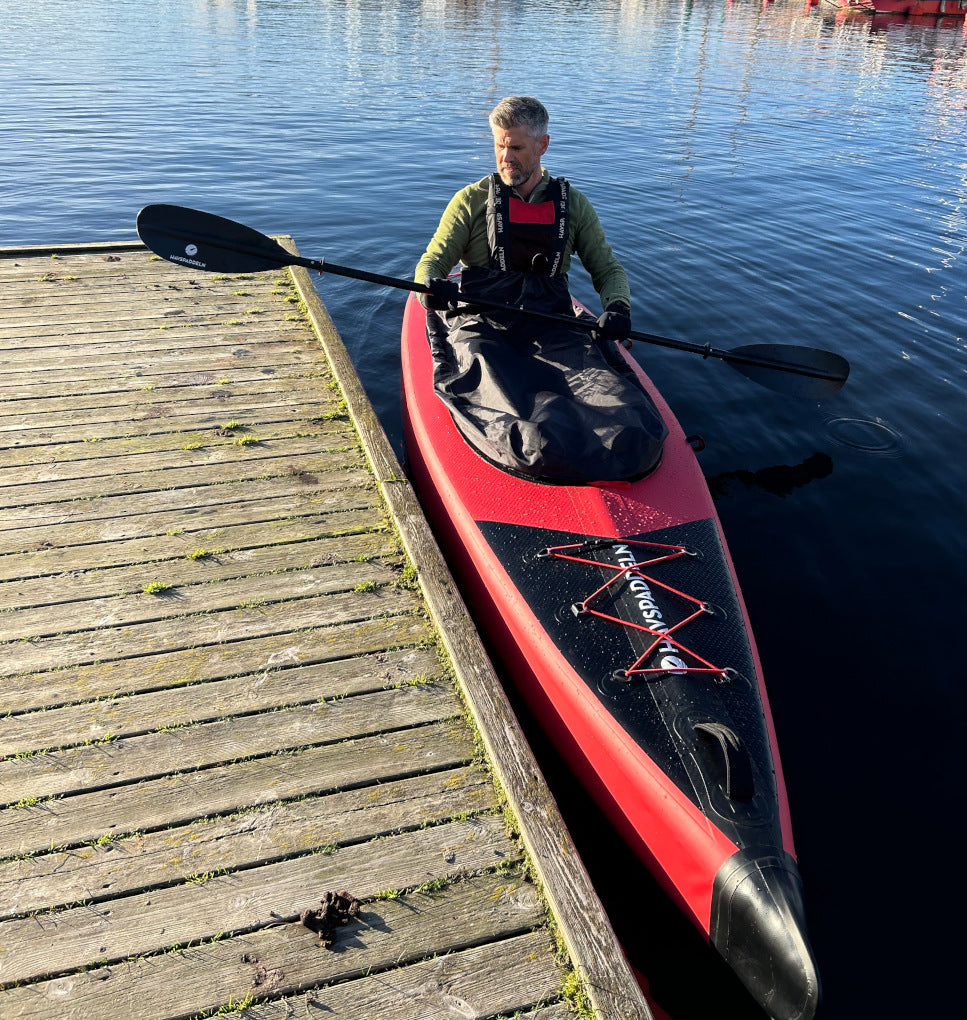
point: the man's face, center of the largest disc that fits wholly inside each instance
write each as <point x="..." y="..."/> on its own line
<point x="519" y="155"/>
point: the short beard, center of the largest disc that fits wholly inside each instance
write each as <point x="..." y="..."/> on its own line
<point x="513" y="178"/>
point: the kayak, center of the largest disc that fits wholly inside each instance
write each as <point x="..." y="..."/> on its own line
<point x="614" y="610"/>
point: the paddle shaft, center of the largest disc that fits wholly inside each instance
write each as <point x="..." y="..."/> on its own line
<point x="221" y="245"/>
<point x="706" y="350"/>
<point x="322" y="266"/>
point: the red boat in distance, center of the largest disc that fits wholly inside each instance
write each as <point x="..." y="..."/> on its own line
<point x="916" y="8"/>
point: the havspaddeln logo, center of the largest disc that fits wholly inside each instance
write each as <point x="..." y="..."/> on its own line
<point x="188" y="259"/>
<point x="650" y="613"/>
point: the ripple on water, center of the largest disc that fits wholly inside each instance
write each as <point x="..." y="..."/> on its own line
<point x="868" y="435"/>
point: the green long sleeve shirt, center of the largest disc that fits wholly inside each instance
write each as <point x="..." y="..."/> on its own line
<point x="462" y="237"/>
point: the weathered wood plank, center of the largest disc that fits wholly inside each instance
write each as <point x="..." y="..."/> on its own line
<point x="298" y="546"/>
<point x="387" y="936"/>
<point x="113" y="259"/>
<point x="49" y="688"/>
<point x="94" y="309"/>
<point x="99" y="315"/>
<point x="133" y="272"/>
<point x="228" y="326"/>
<point x="175" y="332"/>
<point x="250" y="463"/>
<point x="164" y="451"/>
<point x="178" y="355"/>
<point x="99" y="353"/>
<point x="241" y="901"/>
<point x="113" y="763"/>
<point x="136" y="382"/>
<point x="130" y="438"/>
<point x="115" y="867"/>
<point x="40" y="330"/>
<point x="83" y="261"/>
<point x="37" y="558"/>
<point x="66" y="294"/>
<point x="129" y="715"/>
<point x="188" y="591"/>
<point x="41" y="529"/>
<point x="54" y="410"/>
<point x="208" y="629"/>
<point x="184" y="798"/>
<point x="226" y="518"/>
<point x="184" y="587"/>
<point x="90" y="458"/>
<point x="68" y="303"/>
<point x="67" y="425"/>
<point x="502" y="978"/>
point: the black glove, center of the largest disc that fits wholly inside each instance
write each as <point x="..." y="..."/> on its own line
<point x="443" y="296"/>
<point x="614" y="323"/>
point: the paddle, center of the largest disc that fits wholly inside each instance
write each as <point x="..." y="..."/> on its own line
<point x="202" y="240"/>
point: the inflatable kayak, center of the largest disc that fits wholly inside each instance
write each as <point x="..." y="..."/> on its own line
<point x="614" y="610"/>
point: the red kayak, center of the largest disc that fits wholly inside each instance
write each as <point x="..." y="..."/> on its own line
<point x="614" y="610"/>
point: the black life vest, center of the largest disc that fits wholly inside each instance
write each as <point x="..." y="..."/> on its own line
<point x="527" y="237"/>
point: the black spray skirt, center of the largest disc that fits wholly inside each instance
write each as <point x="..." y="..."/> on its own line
<point x="540" y="399"/>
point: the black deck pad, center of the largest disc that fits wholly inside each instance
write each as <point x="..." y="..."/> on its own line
<point x="666" y="712"/>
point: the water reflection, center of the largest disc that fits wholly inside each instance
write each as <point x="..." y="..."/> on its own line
<point x="779" y="480"/>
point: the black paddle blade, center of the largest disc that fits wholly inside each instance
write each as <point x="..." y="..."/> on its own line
<point x="202" y="240"/>
<point x="787" y="368"/>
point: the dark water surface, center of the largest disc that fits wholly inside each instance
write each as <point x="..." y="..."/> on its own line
<point x="767" y="173"/>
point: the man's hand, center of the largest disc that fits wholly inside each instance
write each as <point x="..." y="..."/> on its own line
<point x="443" y="296"/>
<point x="614" y="323"/>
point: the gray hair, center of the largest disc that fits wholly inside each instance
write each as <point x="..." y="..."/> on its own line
<point x="520" y="111"/>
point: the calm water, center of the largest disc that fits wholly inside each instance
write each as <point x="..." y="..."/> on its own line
<point x="767" y="173"/>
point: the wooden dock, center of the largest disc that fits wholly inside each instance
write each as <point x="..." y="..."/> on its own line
<point x="237" y="680"/>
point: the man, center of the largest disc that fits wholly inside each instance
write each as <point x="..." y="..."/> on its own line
<point x="541" y="397"/>
<point x="465" y="233"/>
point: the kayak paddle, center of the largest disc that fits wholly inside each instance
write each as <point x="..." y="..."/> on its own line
<point x="200" y="240"/>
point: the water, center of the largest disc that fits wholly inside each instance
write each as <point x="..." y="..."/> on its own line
<point x="767" y="173"/>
